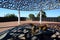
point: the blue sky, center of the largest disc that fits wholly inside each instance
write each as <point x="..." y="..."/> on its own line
<point x="49" y="13"/>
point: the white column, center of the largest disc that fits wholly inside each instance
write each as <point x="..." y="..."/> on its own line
<point x="40" y="17"/>
<point x="18" y="17"/>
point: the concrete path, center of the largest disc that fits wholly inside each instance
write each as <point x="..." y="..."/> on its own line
<point x="7" y="25"/>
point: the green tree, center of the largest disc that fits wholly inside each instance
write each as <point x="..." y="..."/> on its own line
<point x="58" y="16"/>
<point x="43" y="15"/>
<point x="31" y="16"/>
<point x="10" y="16"/>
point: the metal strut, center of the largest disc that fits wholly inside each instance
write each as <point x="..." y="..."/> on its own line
<point x="18" y="17"/>
<point x="40" y="17"/>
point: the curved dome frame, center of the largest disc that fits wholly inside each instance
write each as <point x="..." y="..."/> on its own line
<point x="30" y="5"/>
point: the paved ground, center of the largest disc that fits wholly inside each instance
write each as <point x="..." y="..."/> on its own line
<point x="8" y="25"/>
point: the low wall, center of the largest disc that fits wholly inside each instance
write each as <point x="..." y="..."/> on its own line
<point x="52" y="19"/>
<point x="4" y="19"/>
